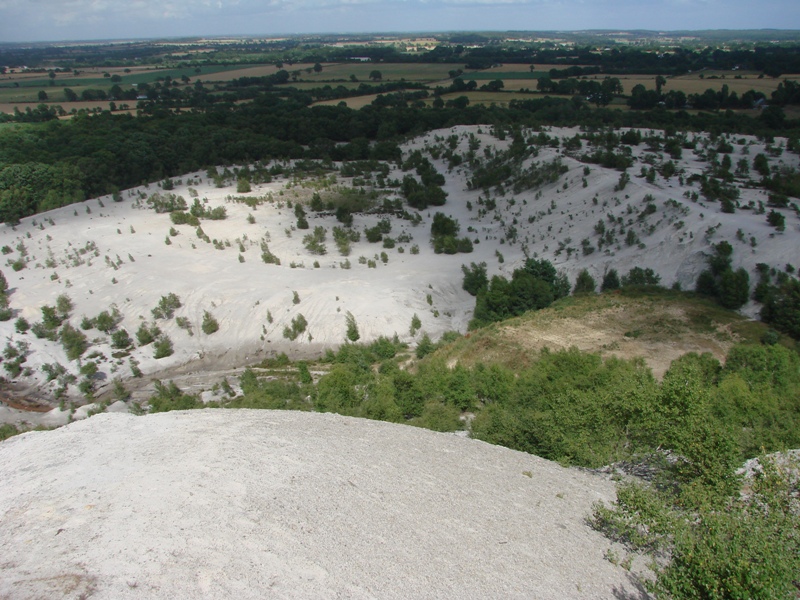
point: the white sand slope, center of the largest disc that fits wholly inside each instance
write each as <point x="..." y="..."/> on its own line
<point x="105" y="254"/>
<point x="261" y="504"/>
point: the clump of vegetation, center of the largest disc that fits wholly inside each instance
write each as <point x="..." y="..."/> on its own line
<point x="352" y="333"/>
<point x="185" y="324"/>
<point x="73" y="341"/>
<point x="298" y="326"/>
<point x="121" y="340"/>
<point x="425" y="346"/>
<point x="170" y="397"/>
<point x="375" y="234"/>
<point x="639" y="277"/>
<point x="315" y="242"/>
<point x="199" y="211"/>
<point x="776" y="220"/>
<point x="21" y="325"/>
<point x="105" y="321"/>
<point x="584" y="283"/>
<point x="611" y="281"/>
<point x="167" y="306"/>
<point x="267" y="256"/>
<point x="210" y="324"/>
<point x="166" y="203"/>
<point x="14" y="356"/>
<point x="8" y="430"/>
<point x="475" y="279"/>
<point x="444" y="232"/>
<point x="781" y="301"/>
<point x="344" y="238"/>
<point x="416" y="325"/>
<point x="162" y="347"/>
<point x="730" y="288"/>
<point x="534" y="286"/>
<point x="147" y="334"/>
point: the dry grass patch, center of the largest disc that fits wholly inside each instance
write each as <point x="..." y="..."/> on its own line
<point x="693" y="84"/>
<point x="355" y="102"/>
<point x="499" y="98"/>
<point x="657" y="328"/>
<point x="389" y="72"/>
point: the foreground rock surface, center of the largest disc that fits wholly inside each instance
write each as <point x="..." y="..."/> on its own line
<point x="262" y="504"/>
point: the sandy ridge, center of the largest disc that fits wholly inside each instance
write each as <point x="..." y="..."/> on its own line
<point x="263" y="504"/>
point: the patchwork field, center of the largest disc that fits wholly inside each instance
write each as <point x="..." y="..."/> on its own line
<point x="515" y="78"/>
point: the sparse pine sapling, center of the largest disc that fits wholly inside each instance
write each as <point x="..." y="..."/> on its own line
<point x="210" y="324"/>
<point x="352" y="328"/>
<point x="416" y="325"/>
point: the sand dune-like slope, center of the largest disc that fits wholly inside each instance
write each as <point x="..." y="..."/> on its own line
<point x="123" y="257"/>
<point x="262" y="504"/>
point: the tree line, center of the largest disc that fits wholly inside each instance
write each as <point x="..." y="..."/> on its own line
<point x="46" y="165"/>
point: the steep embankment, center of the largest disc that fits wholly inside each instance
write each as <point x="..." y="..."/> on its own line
<point x="254" y="504"/>
<point x="112" y="262"/>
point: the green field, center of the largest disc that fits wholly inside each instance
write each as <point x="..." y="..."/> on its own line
<point x="389" y="71"/>
<point x="311" y="85"/>
<point x="502" y="75"/>
<point x="148" y="76"/>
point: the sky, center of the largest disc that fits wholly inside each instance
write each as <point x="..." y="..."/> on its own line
<point x="52" y="20"/>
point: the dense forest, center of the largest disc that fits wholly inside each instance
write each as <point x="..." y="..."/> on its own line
<point x="49" y="164"/>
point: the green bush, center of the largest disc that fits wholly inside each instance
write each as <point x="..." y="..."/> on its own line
<point x="776" y="220"/>
<point x="438" y="417"/>
<point x="64" y="305"/>
<point x="8" y="430"/>
<point x="107" y="322"/>
<point x="416" y="325"/>
<point x="267" y="256"/>
<point x="584" y="284"/>
<point x="743" y="547"/>
<point x="21" y="325"/>
<point x="51" y="319"/>
<point x="303" y="373"/>
<point x="408" y="394"/>
<point x="315" y="242"/>
<point x="167" y="306"/>
<point x="730" y="288"/>
<point x="73" y="341"/>
<point x="210" y="324"/>
<point x="184" y="323"/>
<point x="170" y="397"/>
<point x="298" y="326"/>
<point x="782" y="308"/>
<point x="162" y="347"/>
<point x="425" y="346"/>
<point x="638" y="276"/>
<point x="146" y="334"/>
<point x="503" y="299"/>
<point x="352" y="333"/>
<point x="120" y="339"/>
<point x="610" y="281"/>
<point x="336" y="391"/>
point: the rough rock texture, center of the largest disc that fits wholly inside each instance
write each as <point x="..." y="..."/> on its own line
<point x="261" y="504"/>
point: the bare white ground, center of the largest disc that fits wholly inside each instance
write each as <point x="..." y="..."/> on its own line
<point x="261" y="504"/>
